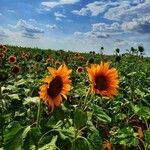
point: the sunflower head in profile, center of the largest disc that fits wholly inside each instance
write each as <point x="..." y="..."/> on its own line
<point x="12" y="59"/>
<point x="55" y="86"/>
<point x="5" y="48"/>
<point x="104" y="81"/>
<point x="2" y="55"/>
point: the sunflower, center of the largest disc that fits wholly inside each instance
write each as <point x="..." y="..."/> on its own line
<point x="57" y="63"/>
<point x="56" y="86"/>
<point x="107" y="145"/>
<point x="5" y="48"/>
<point x="77" y="54"/>
<point x="16" y="70"/>
<point x="2" y="55"/>
<point x="49" y="60"/>
<point x="104" y="81"/>
<point x="1" y="46"/>
<point x="24" y="55"/>
<point x="79" y="70"/>
<point x="12" y="59"/>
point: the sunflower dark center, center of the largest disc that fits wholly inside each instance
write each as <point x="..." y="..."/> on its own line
<point x="16" y="70"/>
<point x="12" y="59"/>
<point x="55" y="87"/>
<point x="101" y="83"/>
<point x="79" y="69"/>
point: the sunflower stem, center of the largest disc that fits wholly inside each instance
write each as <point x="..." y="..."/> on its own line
<point x="39" y="114"/>
<point x="2" y="129"/>
<point x="86" y="99"/>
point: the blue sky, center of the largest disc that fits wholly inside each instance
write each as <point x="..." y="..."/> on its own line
<point x="77" y="25"/>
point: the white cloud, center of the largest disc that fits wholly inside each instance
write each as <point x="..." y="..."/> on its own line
<point x="59" y="16"/>
<point x="94" y="8"/>
<point x="1" y="14"/>
<point x="126" y="11"/>
<point x="51" y="27"/>
<point x="106" y="27"/>
<point x="141" y="25"/>
<point x="91" y="34"/>
<point x="81" y="12"/>
<point x="27" y="29"/>
<point x="50" y="5"/>
<point x="125" y="43"/>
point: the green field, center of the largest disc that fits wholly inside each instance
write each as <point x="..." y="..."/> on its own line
<point x="82" y="121"/>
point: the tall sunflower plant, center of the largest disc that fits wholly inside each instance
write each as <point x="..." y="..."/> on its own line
<point x="77" y="119"/>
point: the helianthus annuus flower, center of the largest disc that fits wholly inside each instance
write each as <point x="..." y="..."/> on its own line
<point x="24" y="55"/>
<point x="1" y="46"/>
<point x="5" y="48"/>
<point x="107" y="145"/>
<point x="57" y="63"/>
<point x="49" y="60"/>
<point x="2" y="55"/>
<point x="79" y="70"/>
<point x="77" y="54"/>
<point x="16" y="70"/>
<point x="12" y="59"/>
<point x="56" y="85"/>
<point x="104" y="81"/>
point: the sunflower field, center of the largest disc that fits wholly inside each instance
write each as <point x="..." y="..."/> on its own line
<point x="62" y="100"/>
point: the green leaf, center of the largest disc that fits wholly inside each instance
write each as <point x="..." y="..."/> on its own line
<point x="80" y="118"/>
<point x="124" y="136"/>
<point x="66" y="133"/>
<point x="30" y="100"/>
<point x="96" y="141"/>
<point x="147" y="137"/>
<point x="100" y="114"/>
<point x="20" y="82"/>
<point x="141" y="111"/>
<point x="131" y="73"/>
<point x="81" y="143"/>
<point x="51" y="145"/>
<point x="14" y="96"/>
<point x="14" y="136"/>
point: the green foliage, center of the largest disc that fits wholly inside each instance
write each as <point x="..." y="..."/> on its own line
<point x="124" y="136"/>
<point x="80" y="118"/>
<point x="83" y="121"/>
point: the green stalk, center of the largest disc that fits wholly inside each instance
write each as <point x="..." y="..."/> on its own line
<point x="2" y="130"/>
<point x="38" y="115"/>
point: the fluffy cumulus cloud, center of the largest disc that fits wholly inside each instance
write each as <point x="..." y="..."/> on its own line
<point x="141" y="25"/>
<point x="106" y="27"/>
<point x="94" y="8"/>
<point x="128" y="10"/>
<point x="59" y="16"/>
<point x="27" y="29"/>
<point x="91" y="35"/>
<point x="49" y="5"/>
